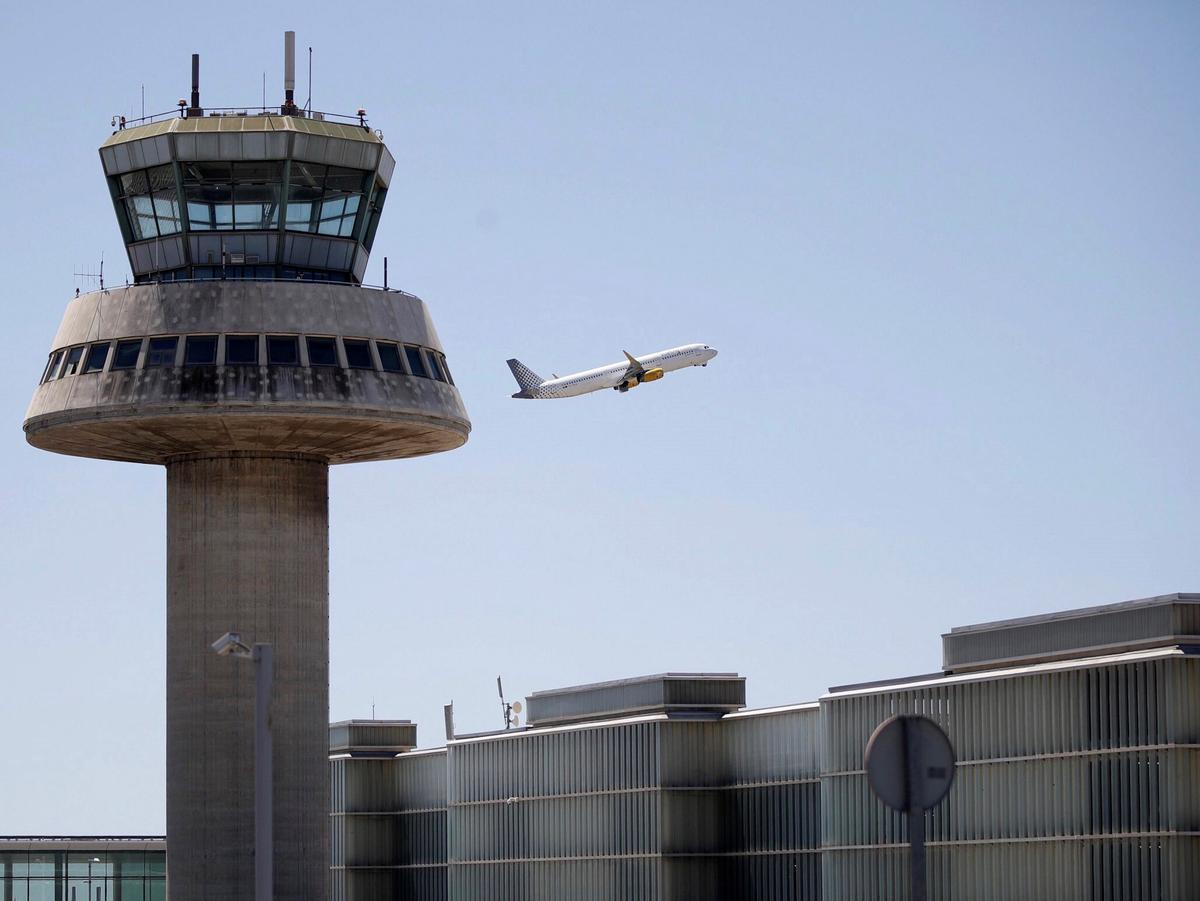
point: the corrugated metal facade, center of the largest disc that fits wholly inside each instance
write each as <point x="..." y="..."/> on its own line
<point x="1076" y="780"/>
<point x="651" y="808"/>
<point x="389" y="827"/>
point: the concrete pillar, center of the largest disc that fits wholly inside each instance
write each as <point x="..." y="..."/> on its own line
<point x="247" y="551"/>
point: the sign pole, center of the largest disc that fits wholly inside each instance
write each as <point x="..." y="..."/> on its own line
<point x="916" y="840"/>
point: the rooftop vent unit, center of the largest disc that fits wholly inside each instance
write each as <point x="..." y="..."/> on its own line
<point x="696" y="695"/>
<point x="1170" y="619"/>
<point x="372" y="738"/>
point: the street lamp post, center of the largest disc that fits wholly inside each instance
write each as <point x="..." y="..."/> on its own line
<point x="231" y="644"/>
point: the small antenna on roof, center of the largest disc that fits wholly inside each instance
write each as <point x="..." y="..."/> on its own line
<point x="448" y="716"/>
<point x="308" y="102"/>
<point x="511" y="719"/>
<point x="91" y="276"/>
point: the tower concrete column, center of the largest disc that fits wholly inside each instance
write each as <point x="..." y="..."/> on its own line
<point x="247" y="551"/>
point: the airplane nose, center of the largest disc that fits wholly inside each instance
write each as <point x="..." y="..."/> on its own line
<point x="712" y="352"/>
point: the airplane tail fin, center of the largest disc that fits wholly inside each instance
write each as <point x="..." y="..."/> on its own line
<point x="525" y="376"/>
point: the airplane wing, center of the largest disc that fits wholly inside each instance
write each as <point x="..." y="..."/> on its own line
<point x="635" y="368"/>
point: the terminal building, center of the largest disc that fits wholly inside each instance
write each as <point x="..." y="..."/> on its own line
<point x="1077" y="736"/>
<point x="83" y="868"/>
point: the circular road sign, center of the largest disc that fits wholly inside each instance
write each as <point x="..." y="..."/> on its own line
<point x="910" y="763"/>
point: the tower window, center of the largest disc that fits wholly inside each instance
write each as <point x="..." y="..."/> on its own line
<point x="446" y="368"/>
<point x="52" y="365"/>
<point x="322" y="352"/>
<point x="200" y="350"/>
<point x="435" y="367"/>
<point x="161" y="352"/>
<point x="415" y="364"/>
<point x="358" y="353"/>
<point x="97" y="354"/>
<point x="389" y="356"/>
<point x="241" y="350"/>
<point x="74" y="355"/>
<point x="283" y="350"/>
<point x="127" y="354"/>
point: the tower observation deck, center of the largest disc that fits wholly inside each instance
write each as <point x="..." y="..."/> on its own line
<point x="246" y="358"/>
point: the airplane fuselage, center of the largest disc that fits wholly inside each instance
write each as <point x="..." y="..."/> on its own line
<point x="620" y="376"/>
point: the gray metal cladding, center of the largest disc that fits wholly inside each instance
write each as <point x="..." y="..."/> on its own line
<point x="653" y="808"/>
<point x="1073" y="782"/>
<point x="389" y="827"/>
<point x="1166" y="620"/>
<point x="1077" y="780"/>
<point x="577" y="761"/>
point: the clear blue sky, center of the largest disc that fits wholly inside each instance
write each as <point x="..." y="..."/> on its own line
<point x="950" y="254"/>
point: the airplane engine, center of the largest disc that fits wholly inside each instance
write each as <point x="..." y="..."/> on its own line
<point x="652" y="375"/>
<point x="627" y="384"/>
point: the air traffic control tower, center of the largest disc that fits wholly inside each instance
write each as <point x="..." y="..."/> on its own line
<point x="246" y="358"/>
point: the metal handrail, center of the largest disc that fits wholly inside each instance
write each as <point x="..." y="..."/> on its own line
<point x="208" y="281"/>
<point x="82" y="838"/>
<point x="233" y="111"/>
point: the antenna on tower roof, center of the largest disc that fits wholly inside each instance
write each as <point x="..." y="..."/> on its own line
<point x="289" y="107"/>
<point x="194" y="109"/>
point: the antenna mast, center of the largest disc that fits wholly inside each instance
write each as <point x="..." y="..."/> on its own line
<point x="511" y="719"/>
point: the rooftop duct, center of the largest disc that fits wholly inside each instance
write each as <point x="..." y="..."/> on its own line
<point x="1170" y="619"/>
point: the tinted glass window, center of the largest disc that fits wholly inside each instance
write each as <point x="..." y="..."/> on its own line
<point x="322" y="352"/>
<point x="436" y="367"/>
<point x="200" y="350"/>
<point x="97" y="354"/>
<point x="127" y="354"/>
<point x="445" y="369"/>
<point x="324" y="199"/>
<point x="389" y="356"/>
<point x="415" y="363"/>
<point x="241" y="350"/>
<point x="161" y="352"/>
<point x="74" y="355"/>
<point x="283" y="350"/>
<point x="358" y="354"/>
<point x="52" y="366"/>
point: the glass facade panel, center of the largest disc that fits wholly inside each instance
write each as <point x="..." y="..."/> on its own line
<point x="96" y="356"/>
<point x="151" y="202"/>
<point x="445" y="368"/>
<point x="161" y="352"/>
<point x="389" y="356"/>
<point x="98" y="875"/>
<point x="200" y="350"/>
<point x="416" y="364"/>
<point x="256" y="189"/>
<point x="241" y="350"/>
<point x="324" y="199"/>
<point x="127" y="354"/>
<point x="322" y="352"/>
<point x="358" y="354"/>
<point x="283" y="350"/>
<point x="208" y="192"/>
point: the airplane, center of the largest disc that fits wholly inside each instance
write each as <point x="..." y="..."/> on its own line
<point x="618" y="376"/>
